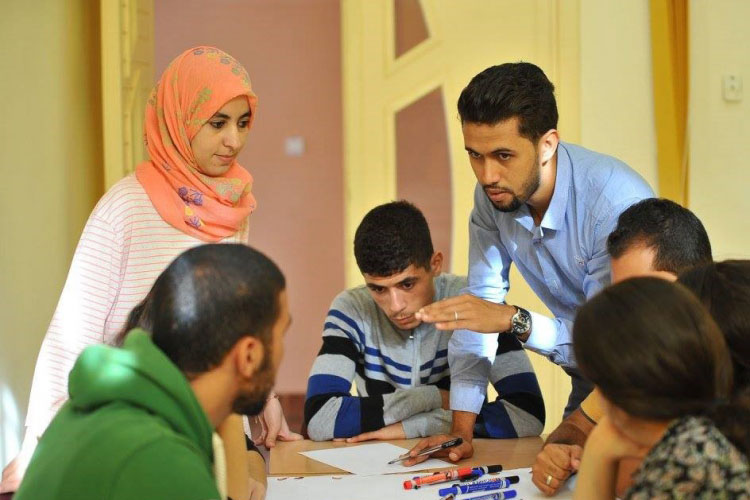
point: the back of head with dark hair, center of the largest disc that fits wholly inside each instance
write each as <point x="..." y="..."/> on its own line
<point x="390" y="238"/>
<point x="206" y="300"/>
<point x="661" y="355"/>
<point x="510" y="90"/>
<point x="676" y="235"/>
<point x="724" y="288"/>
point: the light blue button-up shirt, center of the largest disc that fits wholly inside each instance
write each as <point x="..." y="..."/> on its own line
<point x="564" y="260"/>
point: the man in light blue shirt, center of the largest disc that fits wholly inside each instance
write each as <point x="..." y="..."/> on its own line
<point x="546" y="206"/>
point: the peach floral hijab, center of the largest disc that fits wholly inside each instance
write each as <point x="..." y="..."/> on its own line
<point x="194" y="86"/>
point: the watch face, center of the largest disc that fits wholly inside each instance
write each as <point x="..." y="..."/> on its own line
<point x="521" y="322"/>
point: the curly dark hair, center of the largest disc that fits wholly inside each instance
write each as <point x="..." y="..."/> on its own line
<point x="390" y="238"/>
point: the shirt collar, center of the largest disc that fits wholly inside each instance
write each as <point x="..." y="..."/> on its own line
<point x="554" y="217"/>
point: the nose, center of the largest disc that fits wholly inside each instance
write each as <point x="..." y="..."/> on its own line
<point x="232" y="138"/>
<point x="488" y="173"/>
<point x="398" y="303"/>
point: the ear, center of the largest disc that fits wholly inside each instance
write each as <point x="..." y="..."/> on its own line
<point x="248" y="355"/>
<point x="547" y="146"/>
<point x="436" y="263"/>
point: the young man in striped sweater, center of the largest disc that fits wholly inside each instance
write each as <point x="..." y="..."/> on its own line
<point x="400" y="365"/>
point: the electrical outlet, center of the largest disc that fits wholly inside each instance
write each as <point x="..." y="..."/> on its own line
<point x="731" y="87"/>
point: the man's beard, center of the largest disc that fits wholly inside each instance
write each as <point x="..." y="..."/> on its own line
<point x="527" y="190"/>
<point x="252" y="402"/>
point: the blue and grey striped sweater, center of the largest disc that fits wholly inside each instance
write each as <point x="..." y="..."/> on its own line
<point x="398" y="375"/>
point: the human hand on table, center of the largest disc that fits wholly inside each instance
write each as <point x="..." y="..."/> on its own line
<point x="393" y="431"/>
<point x="257" y="490"/>
<point x="468" y="312"/>
<point x="271" y="425"/>
<point x="454" y="454"/>
<point x="554" y="465"/>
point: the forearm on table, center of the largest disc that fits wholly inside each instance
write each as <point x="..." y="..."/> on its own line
<point x="518" y="410"/>
<point x="575" y="429"/>
<point x="429" y="423"/>
<point x="405" y="403"/>
<point x="463" y="424"/>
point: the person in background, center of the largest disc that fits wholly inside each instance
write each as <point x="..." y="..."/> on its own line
<point x="191" y="191"/>
<point x="140" y="419"/>
<point x="400" y="364"/>
<point x="665" y="378"/>
<point x="654" y="237"/>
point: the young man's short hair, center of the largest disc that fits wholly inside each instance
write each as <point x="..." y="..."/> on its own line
<point x="511" y="90"/>
<point x="206" y="300"/>
<point x="676" y="235"/>
<point x="390" y="238"/>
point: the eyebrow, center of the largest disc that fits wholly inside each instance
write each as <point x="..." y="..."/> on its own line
<point x="493" y="152"/>
<point x="406" y="281"/>
<point x="227" y="117"/>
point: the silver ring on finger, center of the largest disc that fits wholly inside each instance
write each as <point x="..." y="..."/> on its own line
<point x="548" y="479"/>
<point x="455" y="315"/>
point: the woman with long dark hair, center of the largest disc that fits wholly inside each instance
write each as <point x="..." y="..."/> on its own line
<point x="665" y="373"/>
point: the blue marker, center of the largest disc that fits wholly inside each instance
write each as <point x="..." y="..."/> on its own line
<point x="500" y="495"/>
<point x="488" y="485"/>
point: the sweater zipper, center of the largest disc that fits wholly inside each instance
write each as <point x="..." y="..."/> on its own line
<point x="414" y="359"/>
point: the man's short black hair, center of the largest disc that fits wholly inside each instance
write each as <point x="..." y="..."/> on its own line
<point x="511" y="90"/>
<point x="676" y="235"/>
<point x="390" y="238"/>
<point x="206" y="300"/>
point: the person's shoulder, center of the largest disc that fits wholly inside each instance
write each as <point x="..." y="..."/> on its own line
<point x="351" y="298"/>
<point x="122" y="200"/>
<point x="355" y="304"/>
<point x="696" y="446"/>
<point x="89" y="450"/>
<point x="449" y="285"/>
<point x="604" y="176"/>
<point x="166" y="466"/>
<point x="693" y="440"/>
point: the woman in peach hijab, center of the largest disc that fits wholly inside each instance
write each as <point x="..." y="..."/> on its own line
<point x="190" y="191"/>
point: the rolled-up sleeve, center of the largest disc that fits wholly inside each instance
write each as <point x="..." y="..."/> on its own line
<point x="471" y="354"/>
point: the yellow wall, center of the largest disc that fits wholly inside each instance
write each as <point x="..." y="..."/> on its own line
<point x="50" y="162"/>
<point x="719" y="131"/>
<point x="617" y="108"/>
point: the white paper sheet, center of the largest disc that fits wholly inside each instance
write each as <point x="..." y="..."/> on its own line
<point x="390" y="487"/>
<point x="371" y="459"/>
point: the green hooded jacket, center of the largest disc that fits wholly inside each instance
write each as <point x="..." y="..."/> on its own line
<point x="132" y="429"/>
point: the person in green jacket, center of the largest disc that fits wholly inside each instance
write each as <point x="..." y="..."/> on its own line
<point x="140" y="420"/>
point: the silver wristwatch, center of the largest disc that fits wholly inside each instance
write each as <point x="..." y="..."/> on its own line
<point x="520" y="323"/>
